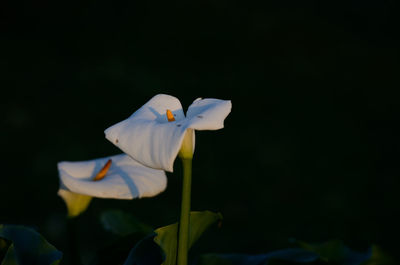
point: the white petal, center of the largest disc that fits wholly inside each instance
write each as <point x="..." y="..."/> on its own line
<point x="148" y="137"/>
<point x="126" y="178"/>
<point x="156" y="108"/>
<point x="208" y="114"/>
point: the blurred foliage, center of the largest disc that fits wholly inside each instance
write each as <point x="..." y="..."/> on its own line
<point x="331" y="252"/>
<point x="167" y="236"/>
<point x="146" y="252"/>
<point x="336" y="252"/>
<point x="380" y="257"/>
<point x="122" y="223"/>
<point x="284" y="256"/>
<point x="27" y="247"/>
<point x="117" y="251"/>
<point x="126" y="230"/>
<point x="4" y="245"/>
<point x="159" y="247"/>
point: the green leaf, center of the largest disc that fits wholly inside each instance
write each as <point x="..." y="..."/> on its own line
<point x="123" y="224"/>
<point x="28" y="247"/>
<point x="291" y="255"/>
<point x="167" y="236"/>
<point x="146" y="252"/>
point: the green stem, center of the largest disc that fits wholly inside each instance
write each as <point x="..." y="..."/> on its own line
<point x="184" y="224"/>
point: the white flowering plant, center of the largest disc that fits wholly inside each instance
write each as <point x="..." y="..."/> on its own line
<point x="151" y="139"/>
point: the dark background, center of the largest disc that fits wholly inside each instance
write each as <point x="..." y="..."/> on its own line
<point x="310" y="150"/>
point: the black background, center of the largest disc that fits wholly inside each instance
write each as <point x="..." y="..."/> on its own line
<point x="310" y="150"/>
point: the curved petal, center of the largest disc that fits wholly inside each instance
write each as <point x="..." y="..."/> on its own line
<point x="155" y="109"/>
<point x="148" y="137"/>
<point x="208" y="114"/>
<point x="76" y="203"/>
<point x="126" y="178"/>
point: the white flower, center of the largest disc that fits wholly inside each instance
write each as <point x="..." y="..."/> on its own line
<point x="153" y="139"/>
<point x="117" y="177"/>
<point x="125" y="179"/>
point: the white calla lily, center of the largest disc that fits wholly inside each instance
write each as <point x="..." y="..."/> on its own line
<point x="125" y="179"/>
<point x="117" y="177"/>
<point x="154" y="140"/>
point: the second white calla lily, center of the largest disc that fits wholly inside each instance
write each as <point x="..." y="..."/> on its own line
<point x="154" y="138"/>
<point x="125" y="178"/>
<point x="116" y="177"/>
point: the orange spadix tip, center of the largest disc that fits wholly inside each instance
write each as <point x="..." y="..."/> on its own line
<point x="102" y="173"/>
<point x="170" y="116"/>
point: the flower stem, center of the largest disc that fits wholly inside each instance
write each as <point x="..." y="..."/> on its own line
<point x="184" y="224"/>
